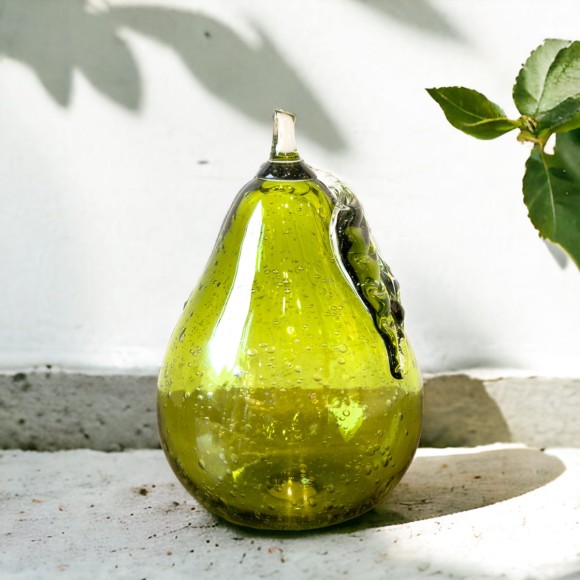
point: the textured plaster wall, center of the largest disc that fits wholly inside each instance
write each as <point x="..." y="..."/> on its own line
<point x="127" y="128"/>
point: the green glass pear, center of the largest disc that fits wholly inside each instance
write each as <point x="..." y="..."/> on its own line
<point x="290" y="397"/>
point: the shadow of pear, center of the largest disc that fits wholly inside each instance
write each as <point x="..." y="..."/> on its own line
<point x="441" y="485"/>
<point x="459" y="412"/>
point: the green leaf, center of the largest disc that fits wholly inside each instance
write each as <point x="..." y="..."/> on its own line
<point x="472" y="112"/>
<point x="552" y="192"/>
<point x="562" y="80"/>
<point x="531" y="80"/>
<point x="563" y="117"/>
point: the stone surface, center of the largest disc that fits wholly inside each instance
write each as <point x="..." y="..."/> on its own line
<point x="542" y="412"/>
<point x="50" y="411"/>
<point x="499" y="511"/>
<point x="462" y="410"/>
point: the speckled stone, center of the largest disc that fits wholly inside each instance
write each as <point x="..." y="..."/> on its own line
<point x="499" y="511"/>
<point x="49" y="411"/>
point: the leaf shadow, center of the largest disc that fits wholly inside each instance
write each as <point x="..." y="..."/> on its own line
<point x="559" y="255"/>
<point x="419" y="14"/>
<point x="59" y="38"/>
<point x="252" y="78"/>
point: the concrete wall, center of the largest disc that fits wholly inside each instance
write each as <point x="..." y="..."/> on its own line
<point x="126" y="132"/>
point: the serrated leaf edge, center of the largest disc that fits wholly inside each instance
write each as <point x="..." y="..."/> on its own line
<point x="558" y="54"/>
<point x="523" y="70"/>
<point x="545" y="114"/>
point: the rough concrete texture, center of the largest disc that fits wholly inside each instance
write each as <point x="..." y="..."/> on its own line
<point x="463" y="411"/>
<point x="540" y="411"/>
<point x="50" y="411"/>
<point x="500" y="511"/>
<point x="460" y="412"/>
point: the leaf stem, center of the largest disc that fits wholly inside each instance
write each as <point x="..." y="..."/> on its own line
<point x="529" y="132"/>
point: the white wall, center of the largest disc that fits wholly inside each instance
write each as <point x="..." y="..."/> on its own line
<point x="107" y="215"/>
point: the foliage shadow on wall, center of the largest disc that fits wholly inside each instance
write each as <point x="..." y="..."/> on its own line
<point x="58" y="38"/>
<point x="418" y="14"/>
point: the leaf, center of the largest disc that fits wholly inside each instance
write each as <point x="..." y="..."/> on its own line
<point x="562" y="80"/>
<point x="472" y="112"/>
<point x="552" y="192"/>
<point x="563" y="117"/>
<point x="531" y="79"/>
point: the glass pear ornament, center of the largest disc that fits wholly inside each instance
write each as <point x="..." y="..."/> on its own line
<point x="290" y="397"/>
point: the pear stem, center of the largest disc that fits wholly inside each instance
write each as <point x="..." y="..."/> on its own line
<point x="283" y="139"/>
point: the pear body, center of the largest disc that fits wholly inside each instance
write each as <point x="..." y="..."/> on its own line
<point x="278" y="405"/>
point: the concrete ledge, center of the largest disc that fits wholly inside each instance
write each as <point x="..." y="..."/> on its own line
<point x="500" y="511"/>
<point x="464" y="411"/>
<point x="50" y="411"/>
